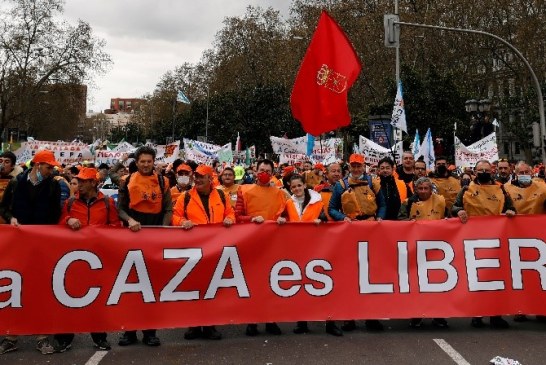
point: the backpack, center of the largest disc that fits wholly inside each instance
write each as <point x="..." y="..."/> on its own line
<point x="106" y="200"/>
<point x="353" y="205"/>
<point x="187" y="199"/>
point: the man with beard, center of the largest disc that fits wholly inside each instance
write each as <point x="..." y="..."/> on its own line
<point x="144" y="200"/>
<point x="483" y="197"/>
<point x="394" y="191"/>
<point x="504" y="172"/>
<point x="446" y="185"/>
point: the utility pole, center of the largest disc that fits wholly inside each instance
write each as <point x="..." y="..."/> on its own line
<point x="390" y="33"/>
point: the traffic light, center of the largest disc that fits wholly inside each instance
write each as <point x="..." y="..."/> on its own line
<point x="392" y="30"/>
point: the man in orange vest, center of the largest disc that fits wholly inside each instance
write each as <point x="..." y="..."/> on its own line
<point x="447" y="185"/>
<point x="406" y="171"/>
<point x="184" y="181"/>
<point x="89" y="207"/>
<point x="483" y="197"/>
<point x="258" y="203"/>
<point x="203" y="204"/>
<point x="144" y="200"/>
<point x="333" y="175"/>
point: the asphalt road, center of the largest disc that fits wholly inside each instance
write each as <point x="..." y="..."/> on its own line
<point x="398" y="344"/>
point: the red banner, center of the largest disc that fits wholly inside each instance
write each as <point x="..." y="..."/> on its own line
<point x="54" y="280"/>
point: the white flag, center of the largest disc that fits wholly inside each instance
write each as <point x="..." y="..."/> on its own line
<point x="416" y="145"/>
<point x="427" y="150"/>
<point x="398" y="119"/>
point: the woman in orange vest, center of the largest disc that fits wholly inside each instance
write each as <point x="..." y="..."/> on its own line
<point x="305" y="205"/>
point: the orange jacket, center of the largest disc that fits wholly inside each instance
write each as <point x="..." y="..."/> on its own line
<point x="255" y="200"/>
<point x="310" y="212"/>
<point x="196" y="212"/>
<point x="94" y="214"/>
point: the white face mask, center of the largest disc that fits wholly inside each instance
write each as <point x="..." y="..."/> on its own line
<point x="183" y="180"/>
<point x="525" y="179"/>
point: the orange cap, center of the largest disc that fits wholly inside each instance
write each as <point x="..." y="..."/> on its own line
<point x="45" y="156"/>
<point x="287" y="170"/>
<point x="184" y="167"/>
<point x="319" y="166"/>
<point x="87" y="173"/>
<point x="356" y="158"/>
<point x="204" y="170"/>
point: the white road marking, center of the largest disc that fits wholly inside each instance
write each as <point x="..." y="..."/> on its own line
<point x="458" y="358"/>
<point x="96" y="358"/>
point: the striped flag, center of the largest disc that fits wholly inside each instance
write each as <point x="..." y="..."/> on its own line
<point x="398" y="119"/>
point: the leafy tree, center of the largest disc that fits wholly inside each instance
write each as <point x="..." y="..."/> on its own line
<point x="39" y="51"/>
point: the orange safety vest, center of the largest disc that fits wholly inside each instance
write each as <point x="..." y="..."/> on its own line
<point x="145" y="194"/>
<point x="231" y="193"/>
<point x="358" y="200"/>
<point x="431" y="209"/>
<point x="311" y="179"/>
<point x="448" y="188"/>
<point x="481" y="200"/>
<point x="196" y="211"/>
<point x="529" y="200"/>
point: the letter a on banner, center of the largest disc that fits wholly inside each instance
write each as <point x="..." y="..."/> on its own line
<point x="329" y="69"/>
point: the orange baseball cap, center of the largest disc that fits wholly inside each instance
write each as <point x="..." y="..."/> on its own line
<point x="45" y="156"/>
<point x="87" y="173"/>
<point x="204" y="170"/>
<point x="319" y="166"/>
<point x="357" y="158"/>
<point x="287" y="170"/>
<point x="184" y="167"/>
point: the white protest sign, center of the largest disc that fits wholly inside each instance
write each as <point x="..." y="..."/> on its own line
<point x="205" y="153"/>
<point x="375" y="152"/>
<point x="166" y="153"/>
<point x="66" y="153"/>
<point x="295" y="150"/>
<point x="485" y="149"/>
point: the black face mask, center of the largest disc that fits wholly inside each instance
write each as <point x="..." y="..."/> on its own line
<point x="484" y="177"/>
<point x="442" y="170"/>
<point x="503" y="179"/>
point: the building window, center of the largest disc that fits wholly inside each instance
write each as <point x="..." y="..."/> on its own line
<point x="506" y="148"/>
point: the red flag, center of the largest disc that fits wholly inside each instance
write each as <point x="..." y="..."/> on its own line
<point x="329" y="69"/>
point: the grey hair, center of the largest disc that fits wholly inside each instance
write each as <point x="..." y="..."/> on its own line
<point x="422" y="180"/>
<point x="518" y="165"/>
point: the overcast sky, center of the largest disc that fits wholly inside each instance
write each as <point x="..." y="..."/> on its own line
<point x="146" y="38"/>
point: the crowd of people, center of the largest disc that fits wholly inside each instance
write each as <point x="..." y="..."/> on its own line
<point x="188" y="194"/>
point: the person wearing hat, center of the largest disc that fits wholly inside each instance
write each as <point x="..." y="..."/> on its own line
<point x="227" y="179"/>
<point x="203" y="204"/>
<point x="314" y="177"/>
<point x="144" y="200"/>
<point x="184" y="181"/>
<point x="32" y="197"/>
<point x="353" y="199"/>
<point x="88" y="207"/>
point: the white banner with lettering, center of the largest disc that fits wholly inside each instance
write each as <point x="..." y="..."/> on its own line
<point x="295" y="150"/>
<point x="375" y="152"/>
<point x="485" y="149"/>
<point x="206" y="153"/>
<point x="66" y="153"/>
